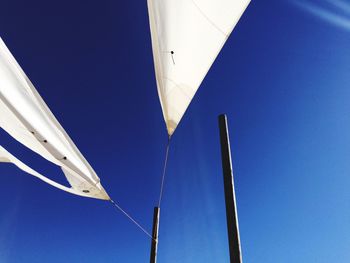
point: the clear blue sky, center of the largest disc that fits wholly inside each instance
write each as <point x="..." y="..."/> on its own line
<point x="283" y="78"/>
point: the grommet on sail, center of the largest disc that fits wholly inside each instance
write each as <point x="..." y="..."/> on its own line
<point x="25" y="116"/>
<point x="187" y="36"/>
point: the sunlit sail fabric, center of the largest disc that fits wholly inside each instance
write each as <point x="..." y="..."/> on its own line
<point x="187" y="36"/>
<point x="25" y="116"/>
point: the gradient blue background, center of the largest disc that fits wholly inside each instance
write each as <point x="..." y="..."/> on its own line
<point x="283" y="78"/>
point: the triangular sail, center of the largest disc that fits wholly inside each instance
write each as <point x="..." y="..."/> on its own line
<point x="187" y="36"/>
<point x="26" y="117"/>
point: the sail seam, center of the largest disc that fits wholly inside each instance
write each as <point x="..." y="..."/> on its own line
<point x="209" y="20"/>
<point x="179" y="86"/>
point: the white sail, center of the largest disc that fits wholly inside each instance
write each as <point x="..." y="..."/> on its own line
<point x="187" y="36"/>
<point x="26" y="117"/>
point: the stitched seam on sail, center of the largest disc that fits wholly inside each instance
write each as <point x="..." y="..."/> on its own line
<point x="175" y="85"/>
<point x="209" y="20"/>
<point x="179" y="87"/>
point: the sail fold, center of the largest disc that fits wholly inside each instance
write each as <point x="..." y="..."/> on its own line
<point x="7" y="157"/>
<point x="25" y="116"/>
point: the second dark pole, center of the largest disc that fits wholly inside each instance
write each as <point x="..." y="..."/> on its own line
<point x="230" y="198"/>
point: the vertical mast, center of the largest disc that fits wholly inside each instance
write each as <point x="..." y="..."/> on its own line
<point x="230" y="199"/>
<point x="154" y="246"/>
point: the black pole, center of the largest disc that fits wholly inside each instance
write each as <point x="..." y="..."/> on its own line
<point x="154" y="246"/>
<point x="230" y="199"/>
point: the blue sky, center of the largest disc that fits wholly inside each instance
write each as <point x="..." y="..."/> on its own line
<point x="282" y="79"/>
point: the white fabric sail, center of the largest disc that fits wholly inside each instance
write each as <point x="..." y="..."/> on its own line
<point x="25" y="116"/>
<point x="187" y="36"/>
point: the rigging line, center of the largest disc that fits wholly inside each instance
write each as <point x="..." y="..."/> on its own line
<point x="131" y="219"/>
<point x="164" y="171"/>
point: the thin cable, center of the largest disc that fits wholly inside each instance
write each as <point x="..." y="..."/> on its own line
<point x="164" y="172"/>
<point x="131" y="219"/>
